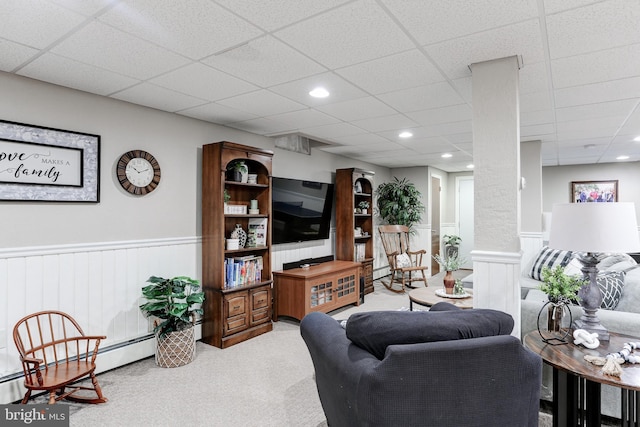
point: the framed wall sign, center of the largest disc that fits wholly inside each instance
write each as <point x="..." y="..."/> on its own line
<point x="45" y="164"/>
<point x="594" y="191"/>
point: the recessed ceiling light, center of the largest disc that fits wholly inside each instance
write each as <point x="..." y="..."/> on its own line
<point x="637" y="139"/>
<point x="405" y="134"/>
<point x="622" y="157"/>
<point x="447" y="155"/>
<point x="319" y="92"/>
<point x="470" y="166"/>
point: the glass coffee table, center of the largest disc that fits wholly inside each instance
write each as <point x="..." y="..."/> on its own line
<point x="428" y="296"/>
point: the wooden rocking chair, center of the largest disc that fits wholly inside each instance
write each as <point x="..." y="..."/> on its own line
<point x="55" y="352"/>
<point x="405" y="265"/>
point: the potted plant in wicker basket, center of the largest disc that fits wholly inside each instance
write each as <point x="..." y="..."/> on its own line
<point x="174" y="302"/>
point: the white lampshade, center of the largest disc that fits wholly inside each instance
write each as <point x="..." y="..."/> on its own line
<point x="594" y="227"/>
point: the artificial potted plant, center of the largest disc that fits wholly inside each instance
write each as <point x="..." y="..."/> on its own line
<point x="238" y="171"/>
<point x="399" y="202"/>
<point x="451" y="244"/>
<point x="561" y="289"/>
<point x="364" y="206"/>
<point x="174" y="302"/>
<point x="449" y="264"/>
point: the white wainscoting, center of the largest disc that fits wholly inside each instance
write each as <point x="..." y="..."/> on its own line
<point x="99" y="284"/>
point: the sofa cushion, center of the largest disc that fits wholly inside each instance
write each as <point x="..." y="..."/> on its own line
<point x="611" y="284"/>
<point x="374" y="331"/>
<point x="551" y="258"/>
<point x="630" y="300"/>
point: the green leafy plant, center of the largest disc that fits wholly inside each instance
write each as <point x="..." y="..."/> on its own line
<point x="174" y="301"/>
<point x="227" y="196"/>
<point x="451" y="240"/>
<point x="558" y="286"/>
<point x="399" y="202"/>
<point x="363" y="204"/>
<point x="450" y="263"/>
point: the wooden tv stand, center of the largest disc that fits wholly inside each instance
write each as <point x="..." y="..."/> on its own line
<point x="322" y="287"/>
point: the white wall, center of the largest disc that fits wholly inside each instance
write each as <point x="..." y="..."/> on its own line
<point x="92" y="259"/>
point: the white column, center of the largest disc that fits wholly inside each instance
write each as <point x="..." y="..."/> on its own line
<point x="496" y="156"/>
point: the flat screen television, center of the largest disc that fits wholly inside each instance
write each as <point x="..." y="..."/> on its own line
<point x="301" y="210"/>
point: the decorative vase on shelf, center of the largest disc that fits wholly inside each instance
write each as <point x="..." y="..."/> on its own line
<point x="449" y="282"/>
<point x="240" y="234"/>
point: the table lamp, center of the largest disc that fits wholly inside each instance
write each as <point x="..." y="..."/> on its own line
<point x="590" y="229"/>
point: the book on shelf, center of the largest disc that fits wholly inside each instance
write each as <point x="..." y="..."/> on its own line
<point x="240" y="271"/>
<point x="359" y="252"/>
<point x="257" y="232"/>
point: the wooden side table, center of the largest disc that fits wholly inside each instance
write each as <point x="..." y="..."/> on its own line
<point x="576" y="382"/>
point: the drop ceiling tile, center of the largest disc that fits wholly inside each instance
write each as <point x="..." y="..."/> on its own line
<point x="379" y="124"/>
<point x="432" y="22"/>
<point x="598" y="92"/>
<point x="594" y="27"/>
<point x="357" y="32"/>
<point x="275" y="14"/>
<point x="262" y="126"/>
<point x="631" y="127"/>
<point x="262" y="103"/>
<point x="602" y="124"/>
<point x="85" y="7"/>
<point x="357" y="109"/>
<point x="594" y="111"/>
<point x="40" y="22"/>
<point x="627" y="139"/>
<point x="527" y="131"/>
<point x="203" y="82"/>
<point x="554" y="6"/>
<point x="340" y="90"/>
<point x="105" y="47"/>
<point x="422" y="98"/>
<point x="434" y="116"/>
<point x="463" y="87"/>
<point x="445" y="129"/>
<point x="461" y="138"/>
<point x="535" y="101"/>
<point x="196" y="30"/>
<point x="536" y="117"/>
<point x="217" y="113"/>
<point x="66" y="72"/>
<point x="454" y="56"/>
<point x="395" y="72"/>
<point x="360" y="139"/>
<point x="303" y="118"/>
<point x="265" y="62"/>
<point x="594" y="67"/>
<point x="157" y="97"/>
<point x="331" y="131"/>
<point x="14" y="54"/>
<point x="533" y="78"/>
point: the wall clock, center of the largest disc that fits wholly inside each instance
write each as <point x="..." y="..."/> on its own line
<point x="138" y="172"/>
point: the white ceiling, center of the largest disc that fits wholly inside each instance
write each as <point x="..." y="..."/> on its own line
<point x="390" y="65"/>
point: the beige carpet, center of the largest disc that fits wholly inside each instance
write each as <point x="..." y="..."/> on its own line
<point x="266" y="381"/>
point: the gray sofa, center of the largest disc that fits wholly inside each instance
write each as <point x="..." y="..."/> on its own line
<point x="624" y="319"/>
<point x="445" y="367"/>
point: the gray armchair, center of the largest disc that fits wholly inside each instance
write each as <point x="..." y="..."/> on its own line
<point x="438" y="368"/>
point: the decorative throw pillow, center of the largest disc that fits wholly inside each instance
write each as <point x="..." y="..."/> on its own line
<point x="374" y="331"/>
<point x="403" y="260"/>
<point x="551" y="258"/>
<point x="611" y="284"/>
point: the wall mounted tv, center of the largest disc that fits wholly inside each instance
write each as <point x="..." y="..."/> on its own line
<point x="301" y="210"/>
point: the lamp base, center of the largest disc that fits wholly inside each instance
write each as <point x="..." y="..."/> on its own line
<point x="603" y="334"/>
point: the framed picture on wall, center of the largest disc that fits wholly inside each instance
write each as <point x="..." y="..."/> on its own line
<point x="594" y="191"/>
<point x="50" y="165"/>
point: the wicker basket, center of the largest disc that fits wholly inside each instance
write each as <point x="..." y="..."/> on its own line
<point x="176" y="348"/>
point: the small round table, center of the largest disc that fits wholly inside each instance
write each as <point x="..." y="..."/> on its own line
<point x="427" y="297"/>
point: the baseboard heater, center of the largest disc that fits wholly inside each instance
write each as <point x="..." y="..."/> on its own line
<point x="111" y="357"/>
